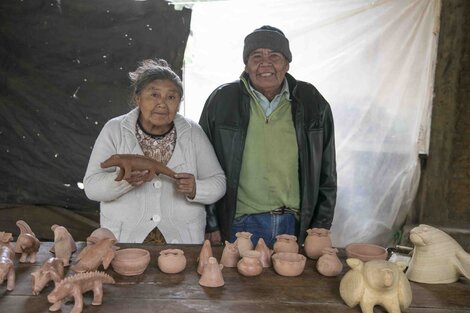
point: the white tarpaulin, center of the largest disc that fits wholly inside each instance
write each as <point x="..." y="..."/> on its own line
<point x="374" y="63"/>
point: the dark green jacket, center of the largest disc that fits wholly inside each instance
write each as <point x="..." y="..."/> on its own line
<point x="225" y="120"/>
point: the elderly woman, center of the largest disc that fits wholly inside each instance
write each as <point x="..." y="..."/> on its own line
<point x="143" y="206"/>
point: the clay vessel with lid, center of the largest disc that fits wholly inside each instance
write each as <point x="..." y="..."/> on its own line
<point x="250" y="264"/>
<point x="286" y="243"/>
<point x="171" y="261"/>
<point x="329" y="264"/>
<point x="289" y="263"/>
<point x="230" y="255"/>
<point x="98" y="234"/>
<point x="130" y="261"/>
<point x="244" y="242"/>
<point x="316" y="241"/>
<point x="212" y="274"/>
<point x="265" y="253"/>
<point x="204" y="255"/>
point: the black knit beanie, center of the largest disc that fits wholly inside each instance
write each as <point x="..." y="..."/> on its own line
<point x="267" y="37"/>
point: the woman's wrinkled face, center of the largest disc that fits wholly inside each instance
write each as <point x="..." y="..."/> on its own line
<point x="158" y="102"/>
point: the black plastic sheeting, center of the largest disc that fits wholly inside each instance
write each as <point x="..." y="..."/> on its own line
<point x="63" y="74"/>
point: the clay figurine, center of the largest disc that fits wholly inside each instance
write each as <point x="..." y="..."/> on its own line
<point x="74" y="286"/>
<point x="437" y="257"/>
<point x="244" y="242"/>
<point x="317" y="239"/>
<point x="376" y="282"/>
<point x="289" y="263"/>
<point x="230" y="255"/>
<point x="91" y="257"/>
<point x="52" y="269"/>
<point x="7" y="255"/>
<point x="212" y="274"/>
<point x="27" y="244"/>
<point x="64" y="245"/>
<point x="204" y="255"/>
<point x="250" y="264"/>
<point x="329" y="264"/>
<point x="171" y="261"/>
<point x="98" y="234"/>
<point x="134" y="162"/>
<point x="265" y="253"/>
<point x="286" y="243"/>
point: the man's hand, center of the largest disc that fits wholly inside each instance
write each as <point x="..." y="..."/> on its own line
<point x="186" y="184"/>
<point x="129" y="163"/>
<point x="214" y="237"/>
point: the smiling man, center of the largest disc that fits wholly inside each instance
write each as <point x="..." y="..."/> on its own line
<point x="274" y="137"/>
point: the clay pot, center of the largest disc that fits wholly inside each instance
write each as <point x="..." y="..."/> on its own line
<point x="250" y="264"/>
<point x="366" y="252"/>
<point x="130" y="261"/>
<point x="286" y="243"/>
<point x="212" y="274"/>
<point x="288" y="263"/>
<point x="98" y="234"/>
<point x="244" y="242"/>
<point x="329" y="264"/>
<point x="265" y="252"/>
<point x="204" y="255"/>
<point x="230" y="255"/>
<point x="316" y="241"/>
<point x="171" y="261"/>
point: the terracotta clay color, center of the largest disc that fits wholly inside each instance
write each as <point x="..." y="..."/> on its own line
<point x="376" y="282"/>
<point x="134" y="162"/>
<point x="286" y="243"/>
<point x="230" y="255"/>
<point x="171" y="261"/>
<point x="7" y="266"/>
<point x="98" y="234"/>
<point x="64" y="245"/>
<point x="52" y="269"/>
<point x="91" y="257"/>
<point x="329" y="264"/>
<point x="27" y="244"/>
<point x="366" y="252"/>
<point x="437" y="257"/>
<point x="289" y="263"/>
<point x="204" y="255"/>
<point x="212" y="274"/>
<point x="244" y="242"/>
<point x="265" y="253"/>
<point x="74" y="286"/>
<point x="130" y="261"/>
<point x="317" y="239"/>
<point x="250" y="264"/>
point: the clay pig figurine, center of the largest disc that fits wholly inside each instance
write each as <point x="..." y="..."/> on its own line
<point x="52" y="269"/>
<point x="7" y="267"/>
<point x="27" y="244"/>
<point x="91" y="257"/>
<point x="376" y="282"/>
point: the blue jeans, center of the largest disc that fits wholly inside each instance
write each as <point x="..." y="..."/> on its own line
<point x="266" y="226"/>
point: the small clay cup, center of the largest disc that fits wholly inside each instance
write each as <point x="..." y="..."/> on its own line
<point x="289" y="263"/>
<point x="130" y="261"/>
<point x="171" y="261"/>
<point x="366" y="252"/>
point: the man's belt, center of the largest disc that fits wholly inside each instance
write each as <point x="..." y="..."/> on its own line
<point x="283" y="210"/>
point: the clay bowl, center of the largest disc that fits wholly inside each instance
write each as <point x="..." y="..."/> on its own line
<point x="366" y="252"/>
<point x="130" y="261"/>
<point x="289" y="263"/>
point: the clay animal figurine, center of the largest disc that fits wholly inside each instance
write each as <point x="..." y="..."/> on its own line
<point x="329" y="264"/>
<point x="98" y="234"/>
<point x="250" y="264"/>
<point x="230" y="255"/>
<point x="212" y="274"/>
<point x="317" y="239"/>
<point x="286" y="243"/>
<point x="437" y="257"/>
<point x="64" y="245"/>
<point x="171" y="261"/>
<point x="7" y="255"/>
<point x="74" y="286"/>
<point x="244" y="242"/>
<point x="376" y="282"/>
<point x="52" y="269"/>
<point x="27" y="244"/>
<point x="91" y="257"/>
<point x="204" y="255"/>
<point x="132" y="162"/>
<point x="265" y="253"/>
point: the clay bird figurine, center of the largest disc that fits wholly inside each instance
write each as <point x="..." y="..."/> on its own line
<point x="64" y="245"/>
<point x="91" y="257"/>
<point x="27" y="244"/>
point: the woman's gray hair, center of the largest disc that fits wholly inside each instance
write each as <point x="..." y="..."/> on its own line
<point x="150" y="70"/>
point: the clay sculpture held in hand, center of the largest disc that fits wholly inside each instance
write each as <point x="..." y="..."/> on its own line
<point x="376" y="282"/>
<point x="27" y="244"/>
<point x="317" y="239"/>
<point x="7" y="267"/>
<point x="212" y="274"/>
<point x="64" y="245"/>
<point x="204" y="255"/>
<point x="52" y="269"/>
<point x="135" y="162"/>
<point x="74" y="286"/>
<point x="91" y="257"/>
<point x="437" y="257"/>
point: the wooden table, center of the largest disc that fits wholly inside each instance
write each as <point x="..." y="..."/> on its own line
<point x="154" y="291"/>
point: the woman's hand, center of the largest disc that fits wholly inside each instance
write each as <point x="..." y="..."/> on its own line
<point x="137" y="178"/>
<point x="186" y="184"/>
<point x="214" y="237"/>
